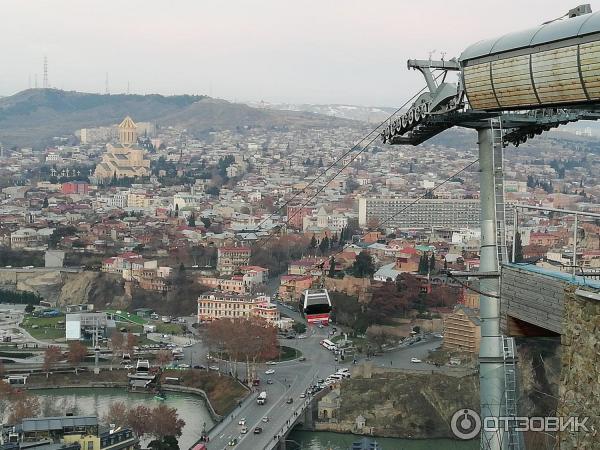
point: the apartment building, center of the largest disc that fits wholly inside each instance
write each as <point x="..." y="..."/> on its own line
<point x="462" y="330"/>
<point x="425" y="213"/>
<point x="230" y="259"/>
<point x="220" y="305"/>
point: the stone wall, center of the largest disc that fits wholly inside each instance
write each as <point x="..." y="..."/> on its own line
<point x="579" y="391"/>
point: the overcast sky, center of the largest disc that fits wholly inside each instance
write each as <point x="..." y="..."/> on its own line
<point x="308" y="51"/>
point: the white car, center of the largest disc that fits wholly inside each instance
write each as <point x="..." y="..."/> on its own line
<point x="213" y="368"/>
<point x="301" y="336"/>
<point x="244" y="430"/>
<point x="415" y="360"/>
<point x="271" y="363"/>
<point x="269" y="372"/>
<point x="303" y="395"/>
<point x="242" y="421"/>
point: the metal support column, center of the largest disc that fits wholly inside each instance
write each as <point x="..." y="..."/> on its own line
<point x="574" y="263"/>
<point x="491" y="363"/>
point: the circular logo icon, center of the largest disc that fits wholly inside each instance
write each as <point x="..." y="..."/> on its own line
<point x="465" y="424"/>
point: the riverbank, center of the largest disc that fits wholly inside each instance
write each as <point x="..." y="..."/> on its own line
<point x="397" y="405"/>
<point x="221" y="393"/>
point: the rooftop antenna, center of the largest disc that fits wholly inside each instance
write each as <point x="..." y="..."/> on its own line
<point x="35" y="85"/>
<point x="128" y="88"/>
<point x="106" y="90"/>
<point x="29" y="82"/>
<point x="45" y="72"/>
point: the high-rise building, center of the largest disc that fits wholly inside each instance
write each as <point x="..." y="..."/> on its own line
<point x="230" y="259"/>
<point x="462" y="330"/>
<point x="393" y="212"/>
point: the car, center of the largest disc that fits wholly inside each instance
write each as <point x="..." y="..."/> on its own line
<point x="184" y="366"/>
<point x="289" y="401"/>
<point x="320" y="381"/>
<point x="244" y="430"/>
<point x="438" y="335"/>
<point x="129" y="367"/>
<point x="257" y="430"/>
<point x="232" y="442"/>
<point x="303" y="395"/>
<point x="214" y="368"/>
<point x="289" y="336"/>
<point x="269" y="381"/>
<point x="242" y="421"/>
<point x="301" y="336"/>
<point x="269" y="372"/>
<point x="271" y="363"/>
<point x="265" y="419"/>
<point x="415" y="360"/>
<point x="302" y="358"/>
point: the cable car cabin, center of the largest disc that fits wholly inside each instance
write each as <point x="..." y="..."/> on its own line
<point x="316" y="306"/>
<point x="555" y="64"/>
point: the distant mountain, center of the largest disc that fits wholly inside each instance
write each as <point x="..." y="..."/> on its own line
<point x="34" y="116"/>
<point x="370" y="114"/>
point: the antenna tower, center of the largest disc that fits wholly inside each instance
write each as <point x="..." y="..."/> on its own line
<point x="106" y="90"/>
<point x="45" y="72"/>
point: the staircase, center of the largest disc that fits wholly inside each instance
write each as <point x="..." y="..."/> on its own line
<point x="498" y="145"/>
<point x="513" y="437"/>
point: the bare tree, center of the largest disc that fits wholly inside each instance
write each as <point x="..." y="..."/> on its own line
<point x="77" y="353"/>
<point x="163" y="357"/>
<point x="52" y="355"/>
<point x="23" y="405"/>
<point x="164" y="421"/>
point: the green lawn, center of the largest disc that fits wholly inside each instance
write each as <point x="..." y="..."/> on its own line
<point x="288" y="353"/>
<point x="130" y="327"/>
<point x="44" y="328"/>
<point x="128" y="317"/>
<point x="169" y="328"/>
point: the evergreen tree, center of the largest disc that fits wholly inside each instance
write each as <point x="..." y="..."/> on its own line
<point x="324" y="245"/>
<point x="432" y="263"/>
<point x="176" y="210"/>
<point x="313" y="242"/>
<point x="423" y="264"/>
<point x="45" y="204"/>
<point x="445" y="264"/>
<point x="363" y="265"/>
<point x="331" y="267"/>
<point x="192" y="220"/>
<point x="518" y="256"/>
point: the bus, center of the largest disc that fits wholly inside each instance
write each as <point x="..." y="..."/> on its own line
<point x="316" y="306"/>
<point x="328" y="344"/>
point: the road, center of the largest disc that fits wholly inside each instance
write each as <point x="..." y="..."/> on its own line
<point x="290" y="379"/>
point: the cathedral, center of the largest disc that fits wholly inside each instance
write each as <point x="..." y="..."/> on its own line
<point x="125" y="159"/>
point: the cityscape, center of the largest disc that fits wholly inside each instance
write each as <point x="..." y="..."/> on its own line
<point x="315" y="272"/>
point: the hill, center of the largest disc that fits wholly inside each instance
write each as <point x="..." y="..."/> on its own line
<point x="34" y="116"/>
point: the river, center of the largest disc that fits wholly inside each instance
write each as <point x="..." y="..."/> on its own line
<point x="191" y="408"/>
<point x="321" y="440"/>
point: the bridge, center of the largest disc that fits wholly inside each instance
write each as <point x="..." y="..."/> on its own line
<point x="290" y="380"/>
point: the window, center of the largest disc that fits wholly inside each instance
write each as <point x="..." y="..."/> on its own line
<point x="90" y="445"/>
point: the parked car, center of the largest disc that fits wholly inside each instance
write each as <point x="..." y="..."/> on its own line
<point x="302" y="358"/>
<point x="269" y="381"/>
<point x="244" y="430"/>
<point x="415" y="360"/>
<point x="265" y="419"/>
<point x="303" y="395"/>
<point x="289" y="400"/>
<point x="242" y="421"/>
<point x="269" y="372"/>
<point x="214" y="368"/>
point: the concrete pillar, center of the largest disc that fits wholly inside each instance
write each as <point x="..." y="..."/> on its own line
<point x="491" y="369"/>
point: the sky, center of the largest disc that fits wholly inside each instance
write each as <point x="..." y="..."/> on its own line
<point x="278" y="51"/>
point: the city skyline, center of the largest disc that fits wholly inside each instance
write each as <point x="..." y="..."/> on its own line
<point x="339" y="52"/>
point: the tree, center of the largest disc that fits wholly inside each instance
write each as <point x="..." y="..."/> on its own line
<point x="23" y="405"/>
<point x="163" y="357"/>
<point x="324" y="245"/>
<point x="423" y="264"/>
<point x="313" y="242"/>
<point x="331" y="267"/>
<point x="29" y="308"/>
<point x="432" y="263"/>
<point x="518" y="254"/>
<point x="164" y="421"/>
<point x="192" y="220"/>
<point x="45" y="204"/>
<point x="363" y="265"/>
<point x="138" y="418"/>
<point x="206" y="221"/>
<point x="77" y="353"/>
<point x="166" y="443"/>
<point x="130" y="342"/>
<point x="51" y="356"/>
<point x="299" y="327"/>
